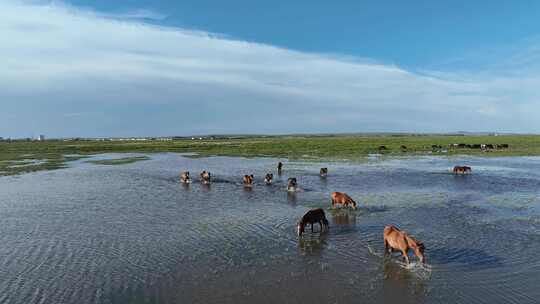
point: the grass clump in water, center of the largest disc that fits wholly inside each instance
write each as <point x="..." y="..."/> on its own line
<point x="119" y="161"/>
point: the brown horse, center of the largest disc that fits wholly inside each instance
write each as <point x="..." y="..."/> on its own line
<point x="342" y="199"/>
<point x="323" y="172"/>
<point x="462" y="169"/>
<point x="395" y="239"/>
<point x="205" y="177"/>
<point x="279" y="167"/>
<point x="268" y="178"/>
<point x="292" y="185"/>
<point x="311" y="217"/>
<point x="248" y="180"/>
<point x="184" y="177"/>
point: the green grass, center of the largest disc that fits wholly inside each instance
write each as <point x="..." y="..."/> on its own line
<point x="119" y="161"/>
<point x="55" y="154"/>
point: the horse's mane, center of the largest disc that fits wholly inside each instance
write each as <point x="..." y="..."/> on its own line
<point x="413" y="241"/>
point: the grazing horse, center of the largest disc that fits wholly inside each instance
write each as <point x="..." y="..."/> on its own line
<point x="184" y="177"/>
<point x="205" y="177"/>
<point x="323" y="172"/>
<point x="248" y="180"/>
<point x="268" y="178"/>
<point x="403" y="148"/>
<point x="311" y="217"/>
<point x="395" y="239"/>
<point x="292" y="185"/>
<point x="382" y="148"/>
<point x="342" y="199"/>
<point x="462" y="169"/>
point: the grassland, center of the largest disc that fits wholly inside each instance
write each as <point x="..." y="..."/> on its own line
<point x="54" y="154"/>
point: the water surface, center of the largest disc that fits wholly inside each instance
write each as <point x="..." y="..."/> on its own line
<point x="134" y="234"/>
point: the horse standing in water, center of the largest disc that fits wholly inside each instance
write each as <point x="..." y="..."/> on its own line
<point x="395" y="239"/>
<point x="343" y="199"/>
<point x="323" y="172"/>
<point x="279" y="167"/>
<point x="292" y="185"/>
<point x="205" y="177"/>
<point x="311" y="217"/>
<point x="184" y="177"/>
<point x="248" y="180"/>
<point x="462" y="169"/>
<point x="268" y="178"/>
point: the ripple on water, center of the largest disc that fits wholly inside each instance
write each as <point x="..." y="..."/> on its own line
<point x="92" y="234"/>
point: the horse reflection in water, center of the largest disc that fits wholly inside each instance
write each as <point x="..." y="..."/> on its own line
<point x="344" y="219"/>
<point x="291" y="198"/>
<point x="313" y="243"/>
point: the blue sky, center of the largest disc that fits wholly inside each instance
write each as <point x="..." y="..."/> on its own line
<point x="152" y="68"/>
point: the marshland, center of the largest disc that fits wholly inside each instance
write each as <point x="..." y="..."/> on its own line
<point x="113" y="224"/>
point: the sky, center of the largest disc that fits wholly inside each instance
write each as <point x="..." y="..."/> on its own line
<point x="163" y="68"/>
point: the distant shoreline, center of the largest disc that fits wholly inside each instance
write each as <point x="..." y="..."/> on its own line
<point x="55" y="154"/>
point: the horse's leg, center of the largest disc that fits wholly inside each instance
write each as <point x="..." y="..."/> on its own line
<point x="311" y="227"/>
<point x="386" y="247"/>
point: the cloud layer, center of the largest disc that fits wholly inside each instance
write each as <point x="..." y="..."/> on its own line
<point x="72" y="72"/>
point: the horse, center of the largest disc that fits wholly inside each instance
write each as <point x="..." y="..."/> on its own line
<point x="323" y="172"/>
<point x="462" y="169"/>
<point x="205" y="177"/>
<point x="248" y="180"/>
<point x="292" y="185"/>
<point x="342" y="199"/>
<point x="311" y="217"/>
<point x="184" y="177"/>
<point x="279" y="167"/>
<point x="395" y="239"/>
<point x="268" y="178"/>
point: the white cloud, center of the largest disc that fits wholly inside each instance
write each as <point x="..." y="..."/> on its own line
<point x="151" y="80"/>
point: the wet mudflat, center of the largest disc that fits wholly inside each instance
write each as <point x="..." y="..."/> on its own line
<point x="133" y="234"/>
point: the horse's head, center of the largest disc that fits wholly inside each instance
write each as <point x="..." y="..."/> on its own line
<point x="299" y="228"/>
<point x="419" y="249"/>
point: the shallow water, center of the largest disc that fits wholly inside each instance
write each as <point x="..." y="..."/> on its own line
<point x="133" y="234"/>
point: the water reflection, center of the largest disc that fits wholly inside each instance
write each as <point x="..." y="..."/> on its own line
<point x="313" y="243"/>
<point x="291" y="198"/>
<point x="344" y="218"/>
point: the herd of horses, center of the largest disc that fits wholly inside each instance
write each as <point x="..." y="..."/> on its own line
<point x="394" y="238"/>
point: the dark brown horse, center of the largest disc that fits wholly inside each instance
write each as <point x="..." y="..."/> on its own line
<point x="279" y="167"/>
<point x="395" y="239"/>
<point x="205" y="177"/>
<point x="184" y="177"/>
<point x="323" y="172"/>
<point x="462" y="169"/>
<point x="311" y="217"/>
<point x="248" y="180"/>
<point x="292" y="185"/>
<point x="268" y="178"/>
<point x="343" y="199"/>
